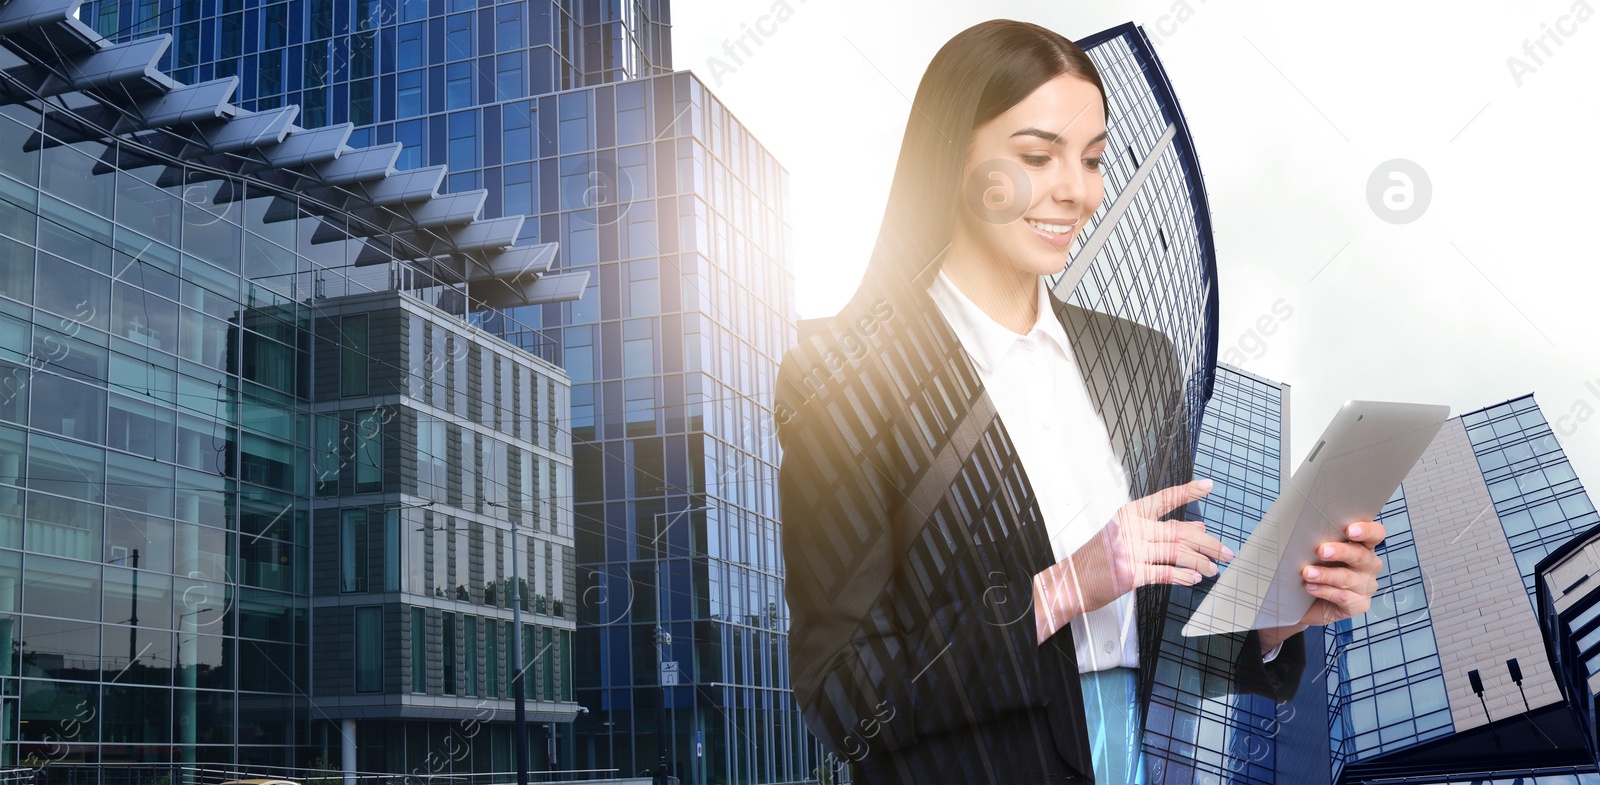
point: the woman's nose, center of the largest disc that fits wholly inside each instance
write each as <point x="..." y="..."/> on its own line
<point x="1068" y="182"/>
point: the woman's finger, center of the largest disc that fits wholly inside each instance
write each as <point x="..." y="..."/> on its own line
<point x="1355" y="555"/>
<point x="1193" y="534"/>
<point x="1368" y="532"/>
<point x="1165" y="573"/>
<point x="1174" y="552"/>
<point x="1341" y="577"/>
<point x="1158" y="504"/>
<point x="1351" y="603"/>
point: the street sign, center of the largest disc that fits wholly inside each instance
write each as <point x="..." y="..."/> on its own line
<point x="669" y="673"/>
<point x="699" y="749"/>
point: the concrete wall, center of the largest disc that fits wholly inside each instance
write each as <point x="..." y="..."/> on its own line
<point x="1480" y="608"/>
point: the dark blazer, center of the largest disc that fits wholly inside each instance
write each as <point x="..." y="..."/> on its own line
<point x="911" y="536"/>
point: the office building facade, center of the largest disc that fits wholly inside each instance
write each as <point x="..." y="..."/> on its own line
<point x="440" y="478"/>
<point x="568" y="113"/>
<point x="209" y="450"/>
<point x="1565" y="595"/>
<point x="1423" y="685"/>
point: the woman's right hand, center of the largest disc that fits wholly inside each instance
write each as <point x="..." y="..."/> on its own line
<point x="1134" y="549"/>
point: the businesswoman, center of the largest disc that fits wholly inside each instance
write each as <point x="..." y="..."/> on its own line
<point x="975" y="474"/>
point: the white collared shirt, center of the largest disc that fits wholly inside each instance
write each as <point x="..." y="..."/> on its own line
<point x="1040" y="396"/>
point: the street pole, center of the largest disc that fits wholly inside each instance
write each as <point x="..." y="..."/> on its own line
<point x="662" y="638"/>
<point x="521" y="722"/>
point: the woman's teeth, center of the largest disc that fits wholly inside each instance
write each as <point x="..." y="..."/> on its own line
<point x="1052" y="228"/>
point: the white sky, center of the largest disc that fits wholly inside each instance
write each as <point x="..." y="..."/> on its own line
<point x="1492" y="293"/>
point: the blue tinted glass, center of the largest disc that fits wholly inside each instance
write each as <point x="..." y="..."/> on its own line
<point x="409" y="98"/>
<point x="458" y="37"/>
<point x="410" y="53"/>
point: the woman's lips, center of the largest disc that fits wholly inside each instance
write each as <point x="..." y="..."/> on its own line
<point x="1061" y="240"/>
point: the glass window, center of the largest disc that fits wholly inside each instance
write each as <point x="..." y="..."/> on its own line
<point x="71" y="172"/>
<point x="409" y="96"/>
<point x="449" y="654"/>
<point x="458" y="36"/>
<point x="528" y="656"/>
<point x="67" y="407"/>
<point x="369" y="649"/>
<point x="1576" y="505"/>
<point x="1519" y="522"/>
<point x="60" y="650"/>
<point x="16" y="268"/>
<point x="432" y="478"/>
<point x="77" y="295"/>
<point x="58" y="587"/>
<point x="470" y="630"/>
<point x="517" y="125"/>
<point x="1582" y="619"/>
<point x="548" y="654"/>
<point x="640" y="235"/>
<point x="410" y="136"/>
<point x="458" y="86"/>
<point x="1559" y="472"/>
<point x="463" y="150"/>
<point x="419" y="650"/>
<point x="362" y="108"/>
<point x="327" y="451"/>
<point x="409" y="38"/>
<point x="491" y="658"/>
<point x="644" y="289"/>
<point x="639" y="347"/>
<point x="508" y="27"/>
<point x="143" y="317"/>
<point x="511" y="661"/>
<point x="508" y="77"/>
<point x="632" y="124"/>
<point x="1502" y="490"/>
<point x="369" y="450"/>
<point x="353" y="550"/>
<point x="579" y="353"/>
<point x="519" y="193"/>
<point x="566" y="665"/>
<point x="573" y="125"/>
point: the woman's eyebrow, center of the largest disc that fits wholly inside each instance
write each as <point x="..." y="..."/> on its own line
<point x="1052" y="138"/>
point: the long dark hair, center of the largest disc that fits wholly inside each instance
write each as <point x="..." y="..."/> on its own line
<point x="977" y="75"/>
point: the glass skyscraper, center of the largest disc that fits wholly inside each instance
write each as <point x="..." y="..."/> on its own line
<point x="228" y="517"/>
<point x="568" y="113"/>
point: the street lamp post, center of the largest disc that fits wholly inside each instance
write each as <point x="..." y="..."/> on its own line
<point x="662" y="640"/>
<point x="520" y="721"/>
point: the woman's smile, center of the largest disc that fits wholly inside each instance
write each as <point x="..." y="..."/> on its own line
<point x="1058" y="234"/>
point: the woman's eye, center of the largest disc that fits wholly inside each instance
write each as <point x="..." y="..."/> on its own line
<point x="1035" y="160"/>
<point x="1094" y="163"/>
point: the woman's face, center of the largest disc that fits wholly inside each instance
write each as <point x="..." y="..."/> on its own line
<point x="1032" y="176"/>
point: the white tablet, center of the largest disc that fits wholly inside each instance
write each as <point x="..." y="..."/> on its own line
<point x="1348" y="475"/>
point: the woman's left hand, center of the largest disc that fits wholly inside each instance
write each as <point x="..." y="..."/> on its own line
<point x="1347" y="577"/>
<point x="1343" y="581"/>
